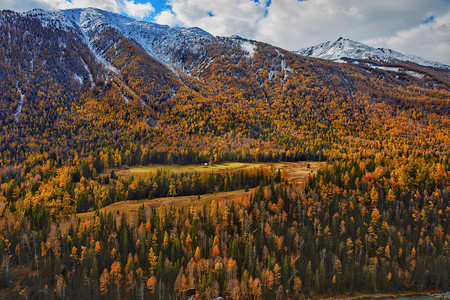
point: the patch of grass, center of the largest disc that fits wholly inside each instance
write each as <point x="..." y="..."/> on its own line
<point x="131" y="207"/>
<point x="152" y="169"/>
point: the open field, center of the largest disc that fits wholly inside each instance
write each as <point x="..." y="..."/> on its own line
<point x="297" y="173"/>
<point x="152" y="169"/>
<point x="131" y="207"/>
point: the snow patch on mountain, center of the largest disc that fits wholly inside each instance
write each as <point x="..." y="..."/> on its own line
<point x="19" y="105"/>
<point x="397" y="70"/>
<point x="391" y="69"/>
<point x="91" y="77"/>
<point x="279" y="67"/>
<point x="51" y="18"/>
<point x="78" y="78"/>
<point x="415" y="74"/>
<point x="248" y="47"/>
<point x="345" y="48"/>
<point x="125" y="98"/>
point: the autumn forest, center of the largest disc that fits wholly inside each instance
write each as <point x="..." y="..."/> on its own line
<point x="373" y="218"/>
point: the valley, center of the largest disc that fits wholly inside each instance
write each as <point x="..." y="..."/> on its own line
<point x="139" y="161"/>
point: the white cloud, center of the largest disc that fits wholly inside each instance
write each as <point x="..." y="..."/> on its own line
<point x="132" y="9"/>
<point x="27" y="5"/>
<point x="429" y="40"/>
<point x="137" y="10"/>
<point x="219" y="17"/>
<point x="294" y="24"/>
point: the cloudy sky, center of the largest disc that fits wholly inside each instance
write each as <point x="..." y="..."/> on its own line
<point x="420" y="27"/>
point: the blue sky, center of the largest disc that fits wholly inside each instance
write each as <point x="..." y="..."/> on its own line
<point x="420" y="27"/>
<point x="157" y="5"/>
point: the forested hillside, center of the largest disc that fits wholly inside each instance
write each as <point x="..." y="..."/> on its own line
<point x="85" y="93"/>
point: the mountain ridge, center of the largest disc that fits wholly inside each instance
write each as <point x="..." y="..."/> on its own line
<point x="346" y="48"/>
<point x="160" y="40"/>
<point x="152" y="37"/>
<point x="92" y="20"/>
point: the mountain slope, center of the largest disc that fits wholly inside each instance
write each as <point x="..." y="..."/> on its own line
<point x="345" y="48"/>
<point x="89" y="79"/>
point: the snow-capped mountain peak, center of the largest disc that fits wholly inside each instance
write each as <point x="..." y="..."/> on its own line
<point x="93" y="21"/>
<point x="157" y="40"/>
<point x="346" y="48"/>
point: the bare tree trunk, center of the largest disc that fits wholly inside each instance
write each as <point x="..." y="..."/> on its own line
<point x="7" y="266"/>
<point x="141" y="291"/>
<point x="88" y="283"/>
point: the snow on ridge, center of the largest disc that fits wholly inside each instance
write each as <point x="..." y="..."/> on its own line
<point x="157" y="40"/>
<point x="50" y="18"/>
<point x="193" y="32"/>
<point x="345" y="48"/>
<point x="414" y="59"/>
<point x="342" y="48"/>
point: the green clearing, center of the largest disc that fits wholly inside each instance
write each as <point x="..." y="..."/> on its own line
<point x="152" y="169"/>
<point x="296" y="171"/>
